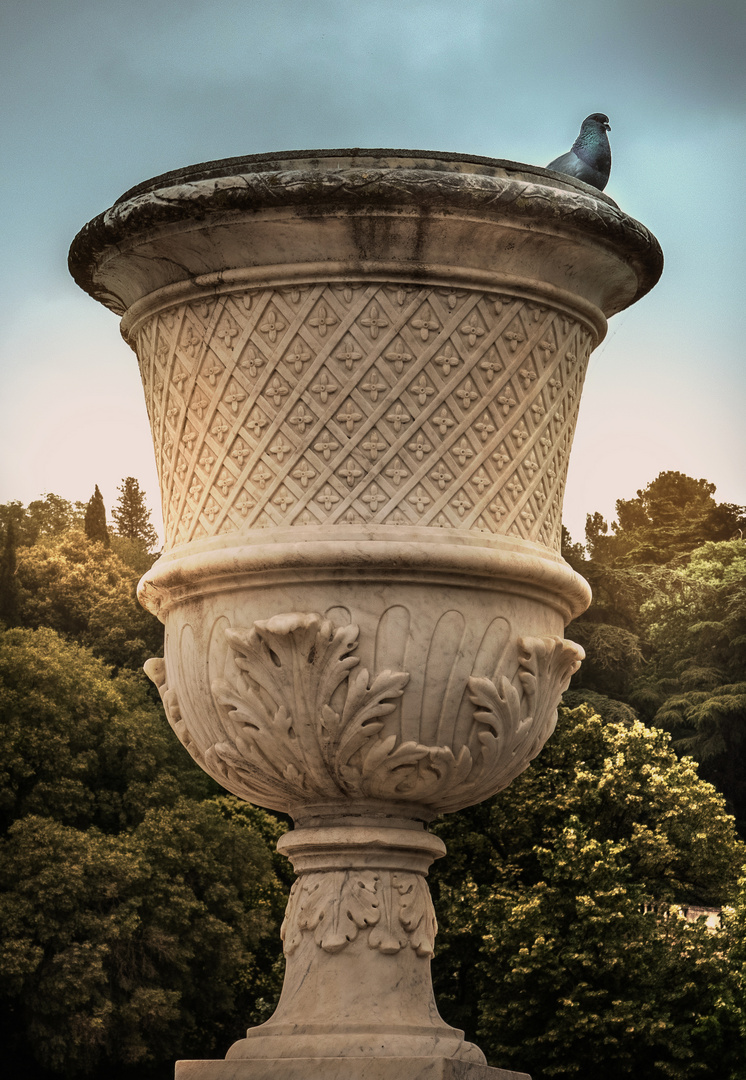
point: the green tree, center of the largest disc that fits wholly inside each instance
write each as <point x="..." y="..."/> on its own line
<point x="711" y="726"/>
<point x="48" y="516"/>
<point x="139" y="911"/>
<point x="582" y="977"/>
<point x="644" y="594"/>
<point x="131" y="515"/>
<point x="695" y="621"/>
<point x="81" y="745"/>
<point x="734" y="995"/>
<point x="73" y="586"/>
<point x="572" y="553"/>
<point x="95" y="519"/>
<point x="129" y="949"/>
<point x="671" y="516"/>
<point x="694" y="682"/>
<point x="573" y="873"/>
<point x="8" y="582"/>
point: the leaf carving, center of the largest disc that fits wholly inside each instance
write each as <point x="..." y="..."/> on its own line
<point x="416" y="912"/>
<point x="518" y="725"/>
<point x="335" y="905"/>
<point x="285" y="735"/>
<point x="301" y="724"/>
<point x="155" y="669"/>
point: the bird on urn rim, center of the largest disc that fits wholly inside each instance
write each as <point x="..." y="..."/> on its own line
<point x="589" y="157"/>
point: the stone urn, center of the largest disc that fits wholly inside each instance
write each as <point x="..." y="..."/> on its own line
<point x="362" y="370"/>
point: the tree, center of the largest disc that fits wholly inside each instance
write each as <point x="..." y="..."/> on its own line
<point x="71" y="585"/>
<point x="132" y="516"/>
<point x="734" y="996"/>
<point x="8" y="583"/>
<point x="80" y="744"/>
<point x="574" y="873"/>
<point x="139" y="912"/>
<point x="48" y="516"/>
<point x="653" y="629"/>
<point x="129" y="949"/>
<point x="95" y="519"/>
<point x="582" y="976"/>
<point x="695" y="620"/>
<point x="694" y="683"/>
<point x="572" y="553"/>
<point x="671" y="516"/>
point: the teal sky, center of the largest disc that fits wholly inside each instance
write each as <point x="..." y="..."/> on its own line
<point x="101" y="94"/>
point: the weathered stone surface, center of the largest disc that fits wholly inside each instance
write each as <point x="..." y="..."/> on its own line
<point x="362" y="371"/>
<point x="378" y="1068"/>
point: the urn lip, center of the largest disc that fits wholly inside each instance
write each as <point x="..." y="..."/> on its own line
<point x="351" y="158"/>
<point x="423" y="186"/>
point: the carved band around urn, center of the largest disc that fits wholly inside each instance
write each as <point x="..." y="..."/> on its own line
<point x="303" y="723"/>
<point x="322" y="403"/>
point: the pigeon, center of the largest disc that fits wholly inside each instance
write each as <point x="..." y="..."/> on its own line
<point x="589" y="159"/>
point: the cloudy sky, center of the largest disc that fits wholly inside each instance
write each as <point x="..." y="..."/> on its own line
<point x="101" y="94"/>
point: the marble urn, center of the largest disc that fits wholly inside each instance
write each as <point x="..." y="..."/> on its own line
<point x="363" y="370"/>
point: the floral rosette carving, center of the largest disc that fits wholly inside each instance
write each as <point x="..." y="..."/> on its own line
<point x="303" y="726"/>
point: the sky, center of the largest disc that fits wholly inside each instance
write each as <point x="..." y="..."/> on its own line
<point x="99" y="95"/>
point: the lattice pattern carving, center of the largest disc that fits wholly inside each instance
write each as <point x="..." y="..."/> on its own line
<point x="324" y="404"/>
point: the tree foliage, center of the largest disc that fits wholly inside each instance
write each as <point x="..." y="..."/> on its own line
<point x="131" y="515"/>
<point x="8" y="582"/>
<point x="560" y="947"/>
<point x="671" y="516"/>
<point x="77" y="587"/>
<point x="666" y="634"/>
<point x="135" y="909"/>
<point x="94" y="521"/>
<point x="139" y="906"/>
<point x="81" y="745"/>
<point x="48" y="516"/>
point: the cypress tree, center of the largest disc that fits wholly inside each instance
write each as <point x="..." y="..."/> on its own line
<point x="132" y="516"/>
<point x="95" y="519"/>
<point x="8" y="580"/>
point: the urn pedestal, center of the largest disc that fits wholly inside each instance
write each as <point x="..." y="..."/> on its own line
<point x="362" y="371"/>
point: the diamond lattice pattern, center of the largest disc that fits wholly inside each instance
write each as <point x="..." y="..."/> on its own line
<point x="379" y="403"/>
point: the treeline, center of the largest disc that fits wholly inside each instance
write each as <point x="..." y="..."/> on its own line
<point x="139" y="908"/>
<point x="140" y="905"/>
<point x="666" y="633"/>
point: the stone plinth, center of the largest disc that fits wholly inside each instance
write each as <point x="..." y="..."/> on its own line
<point x="362" y="371"/>
<point x="347" y="1068"/>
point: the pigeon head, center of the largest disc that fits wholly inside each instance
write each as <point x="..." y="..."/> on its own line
<point x="595" y="121"/>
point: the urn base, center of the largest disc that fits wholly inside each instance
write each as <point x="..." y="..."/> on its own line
<point x="335" y="1068"/>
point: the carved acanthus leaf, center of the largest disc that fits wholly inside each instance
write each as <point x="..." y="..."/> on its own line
<point x="287" y="738"/>
<point x="301" y="724"/>
<point x="518" y="725"/>
<point x="416" y="912"/>
<point x="335" y="905"/>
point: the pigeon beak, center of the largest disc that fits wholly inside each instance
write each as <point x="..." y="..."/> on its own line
<point x="607" y="127"/>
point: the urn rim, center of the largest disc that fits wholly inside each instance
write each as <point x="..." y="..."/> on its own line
<point x="343" y="182"/>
